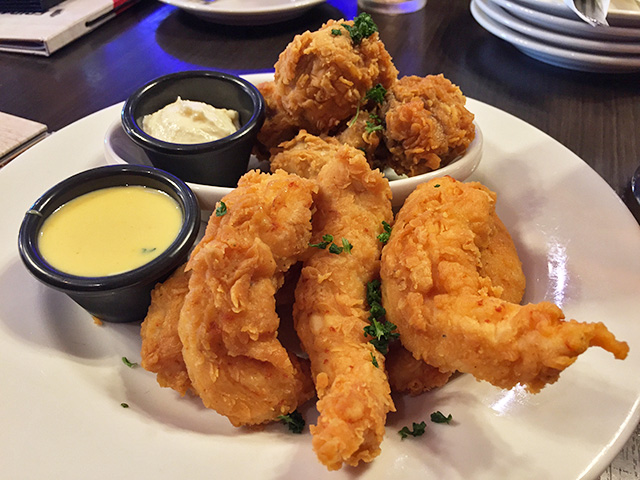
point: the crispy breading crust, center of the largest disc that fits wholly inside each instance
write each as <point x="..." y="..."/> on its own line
<point x="321" y="77"/>
<point x="228" y="324"/>
<point x="450" y="314"/>
<point x="330" y="312"/>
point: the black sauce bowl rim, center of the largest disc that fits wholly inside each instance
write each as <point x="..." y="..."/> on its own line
<point x="159" y="266"/>
<point x="138" y="135"/>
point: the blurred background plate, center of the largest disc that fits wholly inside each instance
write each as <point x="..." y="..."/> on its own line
<point x="621" y="12"/>
<point x="244" y="12"/>
<point x="569" y="41"/>
<point x="567" y="23"/>
<point x="554" y="55"/>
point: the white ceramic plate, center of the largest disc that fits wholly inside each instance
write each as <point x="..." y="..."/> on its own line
<point x="568" y="26"/>
<point x="566" y="40"/>
<point x="554" y="55"/>
<point x="118" y="148"/>
<point x="244" y="12"/>
<point x="620" y="13"/>
<point x="63" y="380"/>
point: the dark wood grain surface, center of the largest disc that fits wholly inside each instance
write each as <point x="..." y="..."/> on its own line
<point x="597" y="116"/>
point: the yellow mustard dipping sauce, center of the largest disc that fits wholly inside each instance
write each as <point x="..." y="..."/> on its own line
<point x="110" y="231"/>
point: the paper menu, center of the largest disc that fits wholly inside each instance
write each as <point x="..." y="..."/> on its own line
<point x="17" y="134"/>
<point x="44" y="33"/>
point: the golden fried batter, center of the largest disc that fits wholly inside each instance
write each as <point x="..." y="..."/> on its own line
<point x="330" y="312"/>
<point x="228" y="324"/>
<point x="161" y="346"/>
<point x="408" y="374"/>
<point x="278" y="127"/>
<point x="305" y="154"/>
<point x="450" y="314"/>
<point x="321" y="76"/>
<point x="427" y="124"/>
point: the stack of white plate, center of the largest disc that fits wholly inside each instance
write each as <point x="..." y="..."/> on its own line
<point x="550" y="32"/>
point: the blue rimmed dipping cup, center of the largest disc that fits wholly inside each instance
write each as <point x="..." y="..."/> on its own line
<point x="122" y="297"/>
<point x="220" y="162"/>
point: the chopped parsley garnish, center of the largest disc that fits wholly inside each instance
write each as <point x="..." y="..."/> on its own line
<point x="221" y="209"/>
<point x="148" y="250"/>
<point x="437" y="185"/>
<point x="294" y="421"/>
<point x="376" y="94"/>
<point x="371" y="127"/>
<point x="381" y="331"/>
<point x="438" y="417"/>
<point x="418" y="430"/>
<point x="346" y="245"/>
<point x="129" y="364"/>
<point x="384" y="236"/>
<point x="327" y="241"/>
<point x="374" y="360"/>
<point x="336" y="32"/>
<point x="363" y="27"/>
<point x="124" y="405"/>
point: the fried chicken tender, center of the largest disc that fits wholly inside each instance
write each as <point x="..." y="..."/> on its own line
<point x="228" y="324"/>
<point x="278" y="127"/>
<point x="161" y="351"/>
<point x="330" y="312"/>
<point x="305" y="154"/>
<point x="427" y="124"/>
<point x="321" y="77"/>
<point x="436" y="290"/>
<point x="408" y="374"/>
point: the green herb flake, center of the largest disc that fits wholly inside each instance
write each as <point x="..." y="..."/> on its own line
<point x="370" y="127"/>
<point x="384" y="236"/>
<point x="124" y="405"/>
<point x="376" y="94"/>
<point x="418" y="430"/>
<point x="346" y="245"/>
<point x="336" y="32"/>
<point x="438" y="417"/>
<point x="294" y="421"/>
<point x="221" y="209"/>
<point x="326" y="241"/>
<point x="148" y="250"/>
<point x="380" y="330"/>
<point x="374" y="360"/>
<point x="333" y="248"/>
<point x="363" y="27"/>
<point x="437" y="185"/>
<point x="129" y="364"/>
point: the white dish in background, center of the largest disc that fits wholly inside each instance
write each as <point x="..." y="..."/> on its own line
<point x="493" y="9"/>
<point x="63" y="380"/>
<point x="245" y="12"/>
<point x="558" y="56"/>
<point x="624" y="13"/>
<point x="568" y="26"/>
<point x="120" y="149"/>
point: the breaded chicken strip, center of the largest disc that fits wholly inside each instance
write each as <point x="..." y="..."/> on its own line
<point x="450" y="314"/>
<point x="228" y="324"/>
<point x="305" y="154"/>
<point x="331" y="312"/>
<point x="278" y="127"/>
<point x="408" y="374"/>
<point x="427" y="124"/>
<point x="161" y="346"/>
<point x="321" y="77"/>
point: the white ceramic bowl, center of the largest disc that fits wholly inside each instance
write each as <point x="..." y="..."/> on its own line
<point x="119" y="148"/>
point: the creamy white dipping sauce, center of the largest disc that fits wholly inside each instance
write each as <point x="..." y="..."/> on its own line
<point x="186" y="121"/>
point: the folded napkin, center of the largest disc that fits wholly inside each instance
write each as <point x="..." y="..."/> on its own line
<point x="17" y="134"/>
<point x="594" y="12"/>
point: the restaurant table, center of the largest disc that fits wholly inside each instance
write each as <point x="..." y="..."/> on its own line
<point x="597" y="116"/>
